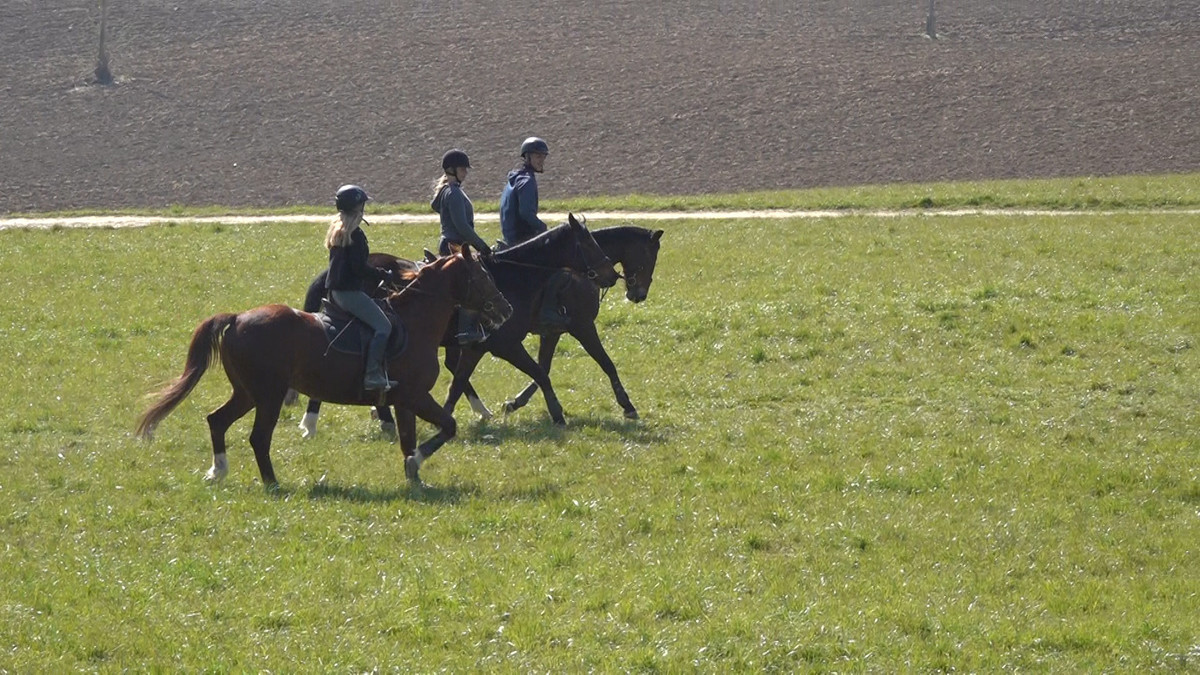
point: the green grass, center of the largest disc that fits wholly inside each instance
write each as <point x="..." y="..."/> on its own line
<point x="1170" y="191"/>
<point x="887" y="445"/>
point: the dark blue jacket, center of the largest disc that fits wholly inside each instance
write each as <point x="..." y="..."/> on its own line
<point x="519" y="207"/>
<point x="348" y="268"/>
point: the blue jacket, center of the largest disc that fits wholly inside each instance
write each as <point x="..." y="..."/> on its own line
<point x="519" y="207"/>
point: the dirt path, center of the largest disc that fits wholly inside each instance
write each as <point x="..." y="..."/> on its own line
<point x="605" y="217"/>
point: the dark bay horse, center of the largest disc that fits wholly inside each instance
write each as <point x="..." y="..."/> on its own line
<point x="268" y="349"/>
<point x="636" y="250"/>
<point x="520" y="273"/>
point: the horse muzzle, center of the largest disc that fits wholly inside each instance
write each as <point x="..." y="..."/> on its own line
<point x="495" y="312"/>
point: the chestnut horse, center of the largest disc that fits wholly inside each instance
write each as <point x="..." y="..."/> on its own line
<point x="268" y="349"/>
<point x="520" y="272"/>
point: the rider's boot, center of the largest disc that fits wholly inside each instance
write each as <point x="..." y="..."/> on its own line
<point x="551" y="316"/>
<point x="376" y="375"/>
<point x="469" y="330"/>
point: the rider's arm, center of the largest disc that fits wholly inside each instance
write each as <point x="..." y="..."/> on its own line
<point x="527" y="206"/>
<point x="455" y="206"/>
<point x="357" y="258"/>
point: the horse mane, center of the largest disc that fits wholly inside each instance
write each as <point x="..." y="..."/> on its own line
<point x="530" y="244"/>
<point x="630" y="230"/>
<point x="410" y="274"/>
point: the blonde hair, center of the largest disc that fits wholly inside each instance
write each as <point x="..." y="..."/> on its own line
<point x="441" y="183"/>
<point x="341" y="229"/>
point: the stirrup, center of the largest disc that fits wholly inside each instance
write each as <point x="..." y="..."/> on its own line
<point x="385" y="386"/>
<point x="471" y="338"/>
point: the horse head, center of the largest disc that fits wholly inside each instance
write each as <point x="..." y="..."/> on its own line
<point x="591" y="258"/>
<point x="481" y="294"/>
<point x="638" y="255"/>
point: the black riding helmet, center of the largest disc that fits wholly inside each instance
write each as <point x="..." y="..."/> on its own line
<point x="350" y="197"/>
<point x="454" y="159"/>
<point x="534" y="144"/>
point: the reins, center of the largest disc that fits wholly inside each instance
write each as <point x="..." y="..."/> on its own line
<point x="588" y="272"/>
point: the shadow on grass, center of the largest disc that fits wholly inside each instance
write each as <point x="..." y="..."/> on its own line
<point x="499" y="430"/>
<point x="429" y="494"/>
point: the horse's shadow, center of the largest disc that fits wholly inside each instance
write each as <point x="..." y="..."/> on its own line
<point x="497" y="430"/>
<point x="361" y="494"/>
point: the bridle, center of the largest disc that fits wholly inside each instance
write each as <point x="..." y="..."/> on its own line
<point x="588" y="270"/>
<point x="488" y="303"/>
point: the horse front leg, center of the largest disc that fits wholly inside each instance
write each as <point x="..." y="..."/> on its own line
<point x="428" y="409"/>
<point x="406" y="430"/>
<point x="590" y="339"/>
<point x="521" y="359"/>
<point x="464" y="365"/>
<point x="453" y="353"/>
<point x="547" y="344"/>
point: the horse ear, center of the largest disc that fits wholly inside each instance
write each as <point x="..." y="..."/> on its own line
<point x="656" y="236"/>
<point x="429" y="256"/>
<point x="571" y="220"/>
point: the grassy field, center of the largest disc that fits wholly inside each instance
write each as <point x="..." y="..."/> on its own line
<point x="903" y="444"/>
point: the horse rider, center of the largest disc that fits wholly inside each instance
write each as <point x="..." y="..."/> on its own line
<point x="348" y="270"/>
<point x="519" y="222"/>
<point x="457" y="215"/>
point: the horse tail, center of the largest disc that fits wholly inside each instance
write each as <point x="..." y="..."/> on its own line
<point x="206" y="343"/>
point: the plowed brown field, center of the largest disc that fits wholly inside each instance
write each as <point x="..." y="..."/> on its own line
<point x="276" y="102"/>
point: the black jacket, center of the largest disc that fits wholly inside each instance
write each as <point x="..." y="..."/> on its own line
<point x="348" y="268"/>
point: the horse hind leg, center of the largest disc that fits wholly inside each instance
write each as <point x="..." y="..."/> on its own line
<point x="308" y="423"/>
<point x="477" y="403"/>
<point x="266" y="415"/>
<point x="546" y="346"/>
<point x="219" y="421"/>
<point x="387" y="425"/>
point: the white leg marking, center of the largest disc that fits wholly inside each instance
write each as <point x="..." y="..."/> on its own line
<point x="219" y="469"/>
<point x="479" y="408"/>
<point x="308" y="425"/>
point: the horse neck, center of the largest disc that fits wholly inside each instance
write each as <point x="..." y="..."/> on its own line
<point x="615" y="242"/>
<point x="549" y="248"/>
<point x="426" y="301"/>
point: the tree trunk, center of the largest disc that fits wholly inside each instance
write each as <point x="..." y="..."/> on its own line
<point x="931" y="22"/>
<point x="103" y="73"/>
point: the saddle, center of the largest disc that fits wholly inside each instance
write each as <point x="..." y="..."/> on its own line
<point x="348" y="335"/>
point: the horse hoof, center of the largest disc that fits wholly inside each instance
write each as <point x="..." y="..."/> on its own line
<point x="412" y="471"/>
<point x="480" y="409"/>
<point x="560" y="422"/>
<point x="631" y="414"/>
<point x="388" y="429"/>
<point x="510" y="407"/>
<point x="218" y="470"/>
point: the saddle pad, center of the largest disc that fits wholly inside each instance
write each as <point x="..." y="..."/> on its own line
<point x="348" y="335"/>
